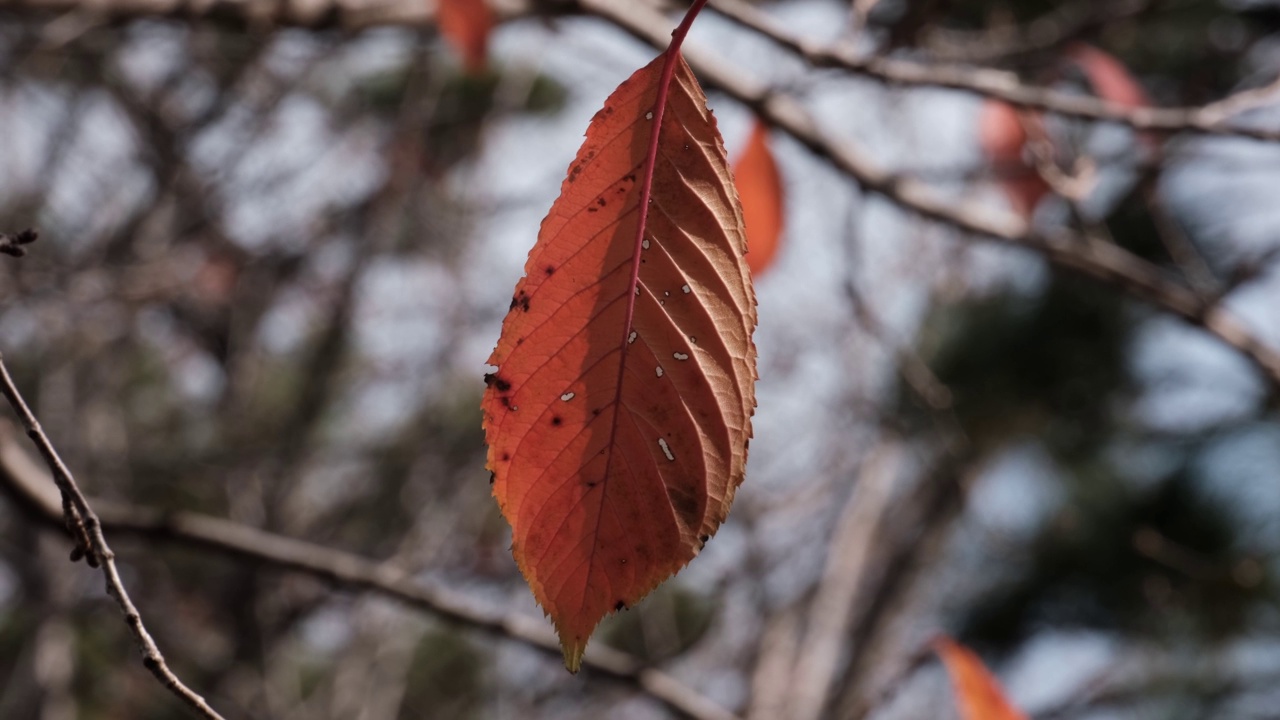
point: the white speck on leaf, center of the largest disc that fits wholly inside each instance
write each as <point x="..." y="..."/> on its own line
<point x="567" y="397"/>
<point x="666" y="449"/>
<point x="681" y="356"/>
<point x="658" y="370"/>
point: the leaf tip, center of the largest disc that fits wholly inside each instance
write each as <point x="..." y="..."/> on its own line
<point x="573" y="651"/>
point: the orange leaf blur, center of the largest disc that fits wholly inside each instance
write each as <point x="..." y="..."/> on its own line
<point x="978" y="695"/>
<point x="1110" y="79"/>
<point x="619" y="413"/>
<point x="760" y="187"/>
<point x="466" y="25"/>
<point x="1002" y="134"/>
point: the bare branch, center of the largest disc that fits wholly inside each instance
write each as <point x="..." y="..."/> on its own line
<point x="76" y="512"/>
<point x="1066" y="22"/>
<point x="24" y="481"/>
<point x="261" y="15"/>
<point x="351" y="15"/>
<point x="849" y="561"/>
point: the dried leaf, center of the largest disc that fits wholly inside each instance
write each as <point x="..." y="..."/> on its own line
<point x="1110" y="79"/>
<point x="1002" y="134"/>
<point x="978" y="694"/>
<point x="466" y="24"/>
<point x="760" y="187"/>
<point x="619" y="413"/>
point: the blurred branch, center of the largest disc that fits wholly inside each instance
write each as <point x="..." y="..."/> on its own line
<point x="1097" y="259"/>
<point x="13" y="244"/>
<point x="1066" y="22"/>
<point x="348" y="15"/>
<point x="257" y="14"/>
<point x="921" y="524"/>
<point x="849" y="563"/>
<point x="77" y="515"/>
<point x="21" y="479"/>
<point x="1184" y="253"/>
<point x="1005" y="85"/>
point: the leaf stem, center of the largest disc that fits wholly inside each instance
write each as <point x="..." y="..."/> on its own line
<point x="651" y="160"/>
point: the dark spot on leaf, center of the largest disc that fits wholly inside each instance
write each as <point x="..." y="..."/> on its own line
<point x="596" y="412"/>
<point x="506" y="457"/>
<point x="506" y="401"/>
<point x="593" y="209"/>
<point x="492" y="477"/>
<point x="620" y="606"/>
<point x="550" y="270"/>
<point x="704" y="539"/>
<point x="630" y="178"/>
<point x="520" y="301"/>
<point x="555" y="420"/>
<point x="592" y="483"/>
<point x="684" y="505"/>
<point x="601" y="202"/>
<point x="495" y="381"/>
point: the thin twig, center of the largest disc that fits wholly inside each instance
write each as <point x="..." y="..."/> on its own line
<point x="25" y="482"/>
<point x="92" y="544"/>
<point x="1006" y="86"/>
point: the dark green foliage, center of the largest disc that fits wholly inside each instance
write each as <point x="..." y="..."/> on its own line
<point x="1041" y="365"/>
<point x="1156" y="562"/>
<point x="445" y="679"/>
<point x="667" y="623"/>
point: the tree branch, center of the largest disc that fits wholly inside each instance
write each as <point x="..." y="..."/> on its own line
<point x="267" y="14"/>
<point x="23" y="481"/>
<point x="91" y="544"/>
<point x="1066" y="22"/>
<point x="845" y="577"/>
<point x="1005" y="86"/>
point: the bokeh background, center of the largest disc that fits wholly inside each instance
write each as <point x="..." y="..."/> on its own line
<point x="273" y="260"/>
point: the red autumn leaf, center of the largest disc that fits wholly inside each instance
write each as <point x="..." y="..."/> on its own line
<point x="1002" y="134"/>
<point x="466" y="25"/>
<point x="760" y="187"/>
<point x="978" y="694"/>
<point x="1110" y="79"/>
<point x="620" y="410"/>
